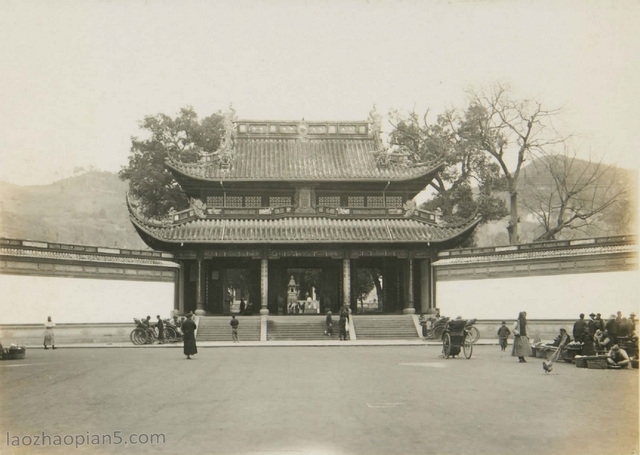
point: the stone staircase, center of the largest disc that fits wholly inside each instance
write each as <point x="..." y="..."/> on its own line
<point x="385" y="327"/>
<point x="217" y="328"/>
<point x="301" y="327"/>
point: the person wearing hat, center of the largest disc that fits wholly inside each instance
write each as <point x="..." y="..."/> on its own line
<point x="189" y="330"/>
<point x="599" y="322"/>
<point x="618" y="358"/>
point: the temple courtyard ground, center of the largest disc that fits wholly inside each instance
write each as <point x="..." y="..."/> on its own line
<point x="328" y="400"/>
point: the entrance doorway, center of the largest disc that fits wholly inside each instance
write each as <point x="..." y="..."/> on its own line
<point x="304" y="286"/>
<point x="302" y="291"/>
<point x="369" y="290"/>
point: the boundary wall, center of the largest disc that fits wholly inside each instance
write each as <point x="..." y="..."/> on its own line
<point x="91" y="293"/>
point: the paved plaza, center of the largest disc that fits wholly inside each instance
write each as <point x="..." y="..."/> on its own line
<point x="331" y="400"/>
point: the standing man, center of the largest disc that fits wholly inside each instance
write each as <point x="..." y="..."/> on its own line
<point x="234" y="328"/>
<point x="48" y="333"/>
<point x="592" y="324"/>
<point x="579" y="328"/>
<point x="189" y="329"/>
<point x="160" y="326"/>
<point x="503" y="335"/>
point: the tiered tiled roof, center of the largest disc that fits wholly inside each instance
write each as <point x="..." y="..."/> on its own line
<point x="345" y="155"/>
<point x="300" y="230"/>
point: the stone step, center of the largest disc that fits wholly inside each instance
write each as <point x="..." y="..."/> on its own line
<point x="218" y="329"/>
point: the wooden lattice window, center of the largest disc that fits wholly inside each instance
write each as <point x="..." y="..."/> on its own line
<point x="215" y="201"/>
<point x="253" y="201"/>
<point x="279" y="201"/>
<point x="234" y="201"/>
<point x="375" y="201"/>
<point x="329" y="201"/>
<point x="394" y="202"/>
<point x="355" y="201"/>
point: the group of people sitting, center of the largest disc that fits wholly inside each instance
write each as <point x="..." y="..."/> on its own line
<point x="615" y="337"/>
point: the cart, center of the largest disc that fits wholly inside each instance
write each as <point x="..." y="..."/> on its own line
<point x="457" y="337"/>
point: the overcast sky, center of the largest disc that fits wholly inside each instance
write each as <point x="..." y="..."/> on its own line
<point x="76" y="77"/>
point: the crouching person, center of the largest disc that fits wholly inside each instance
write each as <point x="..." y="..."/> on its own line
<point x="618" y="358"/>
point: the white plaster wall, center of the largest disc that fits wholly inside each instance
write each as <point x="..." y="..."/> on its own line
<point x="30" y="299"/>
<point x="542" y="297"/>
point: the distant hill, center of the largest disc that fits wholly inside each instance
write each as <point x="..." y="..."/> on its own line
<point x="619" y="219"/>
<point x="88" y="209"/>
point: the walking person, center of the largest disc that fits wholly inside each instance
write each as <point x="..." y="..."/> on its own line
<point x="503" y="335"/>
<point x="329" y="324"/>
<point x="160" y="326"/>
<point x="189" y="330"/>
<point x="48" y="333"/>
<point x="521" y="347"/>
<point x="234" y="328"/>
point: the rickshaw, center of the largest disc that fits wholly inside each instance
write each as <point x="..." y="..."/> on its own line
<point x="457" y="336"/>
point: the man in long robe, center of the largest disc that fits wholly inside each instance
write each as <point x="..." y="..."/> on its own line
<point x="189" y="330"/>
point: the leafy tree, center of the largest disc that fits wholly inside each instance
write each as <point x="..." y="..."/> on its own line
<point x="366" y="281"/>
<point x="469" y="180"/>
<point x="185" y="137"/>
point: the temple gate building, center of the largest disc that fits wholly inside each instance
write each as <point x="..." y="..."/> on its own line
<point x="323" y="202"/>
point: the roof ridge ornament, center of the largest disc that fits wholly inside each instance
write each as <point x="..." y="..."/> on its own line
<point x="199" y="207"/>
<point x="375" y="122"/>
<point x="303" y="131"/>
<point x="227" y="148"/>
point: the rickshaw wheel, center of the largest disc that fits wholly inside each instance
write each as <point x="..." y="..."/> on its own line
<point x="446" y="345"/>
<point x="474" y="333"/>
<point x="467" y="346"/>
<point x="137" y="336"/>
<point x="170" y="334"/>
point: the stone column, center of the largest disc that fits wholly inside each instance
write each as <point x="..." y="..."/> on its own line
<point x="425" y="286"/>
<point x="199" y="291"/>
<point x="180" y="290"/>
<point x="346" y="282"/>
<point x="264" y="286"/>
<point x="409" y="308"/>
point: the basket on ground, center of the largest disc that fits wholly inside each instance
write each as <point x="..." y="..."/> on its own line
<point x="597" y="362"/>
<point x="17" y="352"/>
<point x="581" y="361"/>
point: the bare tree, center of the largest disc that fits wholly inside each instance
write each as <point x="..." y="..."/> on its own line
<point x="510" y="132"/>
<point x="568" y="193"/>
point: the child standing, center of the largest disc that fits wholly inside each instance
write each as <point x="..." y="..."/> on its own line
<point x="503" y="334"/>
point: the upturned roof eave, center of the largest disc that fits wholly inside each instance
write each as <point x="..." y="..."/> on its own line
<point x="181" y="174"/>
<point x="144" y="228"/>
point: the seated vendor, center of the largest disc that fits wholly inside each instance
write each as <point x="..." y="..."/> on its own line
<point x="603" y="340"/>
<point x="562" y="338"/>
<point x="618" y="357"/>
